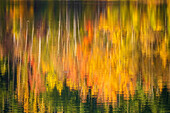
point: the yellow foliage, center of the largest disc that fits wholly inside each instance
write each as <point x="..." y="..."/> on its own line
<point x="3" y="69"/>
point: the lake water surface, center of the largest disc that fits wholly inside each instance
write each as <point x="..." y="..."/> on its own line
<point x="84" y="57"/>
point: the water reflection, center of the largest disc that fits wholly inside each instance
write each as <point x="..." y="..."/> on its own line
<point x="84" y="57"/>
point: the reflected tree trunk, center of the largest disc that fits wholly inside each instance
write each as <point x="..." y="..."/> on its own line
<point x="48" y="33"/>
<point x="32" y="36"/>
<point x="74" y="33"/>
<point x="78" y="27"/>
<point x="59" y="26"/>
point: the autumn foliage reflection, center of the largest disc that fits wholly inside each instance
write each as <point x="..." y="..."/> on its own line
<point x="110" y="51"/>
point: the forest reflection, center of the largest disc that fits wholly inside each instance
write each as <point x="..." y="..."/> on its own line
<point x="84" y="57"/>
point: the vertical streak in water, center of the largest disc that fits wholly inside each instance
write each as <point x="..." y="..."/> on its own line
<point x="74" y="35"/>
<point x="26" y="36"/>
<point x="67" y="28"/>
<point x="165" y="26"/>
<point x="48" y="32"/>
<point x="78" y="28"/>
<point x="19" y="78"/>
<point x="95" y="27"/>
<point x="39" y="54"/>
<point x="133" y="50"/>
<point x="13" y="70"/>
<point x="32" y="36"/>
<point x="59" y="31"/>
<point x="8" y="72"/>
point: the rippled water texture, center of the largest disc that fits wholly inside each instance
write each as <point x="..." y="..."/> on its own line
<point x="84" y="57"/>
